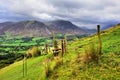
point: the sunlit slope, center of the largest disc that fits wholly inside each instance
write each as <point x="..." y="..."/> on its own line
<point x="110" y="40"/>
<point x="108" y="66"/>
<point x="35" y="67"/>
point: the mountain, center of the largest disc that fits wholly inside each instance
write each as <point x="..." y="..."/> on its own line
<point x="27" y="29"/>
<point x="62" y="26"/>
<point x="109" y="24"/>
<point x="4" y="26"/>
<point x="32" y="28"/>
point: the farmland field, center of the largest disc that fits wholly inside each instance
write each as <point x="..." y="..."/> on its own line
<point x="12" y="48"/>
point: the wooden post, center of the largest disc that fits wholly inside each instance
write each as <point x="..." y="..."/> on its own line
<point x="23" y="65"/>
<point x="53" y="35"/>
<point x="56" y="49"/>
<point x="99" y="40"/>
<point x="55" y="44"/>
<point x="65" y="43"/>
<point x="62" y="47"/>
<point x="46" y="48"/>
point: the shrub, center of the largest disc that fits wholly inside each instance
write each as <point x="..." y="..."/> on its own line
<point x="47" y="67"/>
<point x="91" y="53"/>
<point x="58" y="61"/>
<point x="33" y="52"/>
<point x="50" y="65"/>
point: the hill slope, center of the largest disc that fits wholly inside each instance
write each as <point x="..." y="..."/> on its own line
<point x="72" y="69"/>
<point x="109" y="63"/>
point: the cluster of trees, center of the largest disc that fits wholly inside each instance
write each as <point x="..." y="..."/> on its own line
<point x="9" y="58"/>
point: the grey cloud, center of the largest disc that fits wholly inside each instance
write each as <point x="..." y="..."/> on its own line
<point x="80" y="12"/>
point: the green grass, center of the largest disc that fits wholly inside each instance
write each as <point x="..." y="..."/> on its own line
<point x="35" y="68"/>
<point x="108" y="67"/>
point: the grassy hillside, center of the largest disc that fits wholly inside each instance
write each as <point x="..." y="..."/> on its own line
<point x="15" y="71"/>
<point x="108" y="67"/>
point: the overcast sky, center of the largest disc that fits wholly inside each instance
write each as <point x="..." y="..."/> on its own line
<point x="84" y="13"/>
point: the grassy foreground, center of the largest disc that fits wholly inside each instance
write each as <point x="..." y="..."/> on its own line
<point x="72" y="68"/>
<point x="35" y="69"/>
<point x="108" y="67"/>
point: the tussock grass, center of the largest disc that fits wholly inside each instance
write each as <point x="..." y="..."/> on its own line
<point x="33" y="52"/>
<point x="91" y="53"/>
<point x="51" y="65"/>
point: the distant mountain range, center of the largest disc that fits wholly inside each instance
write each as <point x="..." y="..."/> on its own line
<point x="109" y="24"/>
<point x="32" y="28"/>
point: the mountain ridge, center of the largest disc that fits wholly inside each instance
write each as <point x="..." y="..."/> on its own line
<point x="30" y="28"/>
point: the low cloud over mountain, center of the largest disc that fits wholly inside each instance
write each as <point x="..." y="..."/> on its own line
<point x="87" y="13"/>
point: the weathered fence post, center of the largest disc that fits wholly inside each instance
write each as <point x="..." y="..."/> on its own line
<point x="53" y="35"/>
<point x="99" y="40"/>
<point x="55" y="44"/>
<point x="46" y="48"/>
<point x="56" y="49"/>
<point x="62" y="47"/>
<point x="49" y="49"/>
<point x="65" y="44"/>
<point x="23" y="65"/>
